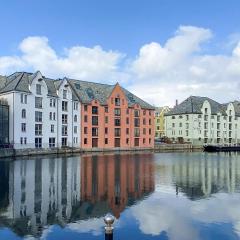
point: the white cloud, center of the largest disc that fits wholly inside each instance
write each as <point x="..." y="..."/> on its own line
<point x="160" y="73"/>
<point x="77" y="62"/>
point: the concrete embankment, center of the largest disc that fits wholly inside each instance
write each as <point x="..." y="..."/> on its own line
<point x="177" y="147"/>
<point x="4" y="153"/>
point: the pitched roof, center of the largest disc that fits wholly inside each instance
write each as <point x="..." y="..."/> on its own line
<point x="82" y="90"/>
<point x="236" y="105"/>
<point x="193" y="104"/>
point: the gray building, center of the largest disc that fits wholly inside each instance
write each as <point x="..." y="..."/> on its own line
<point x="4" y="123"/>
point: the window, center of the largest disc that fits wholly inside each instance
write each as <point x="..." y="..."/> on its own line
<point x="24" y="113"/>
<point x="106" y="130"/>
<point x="85" y="130"/>
<point x="64" y="118"/>
<point x="51" y="142"/>
<point x="51" y="102"/>
<point x="38" y="102"/>
<point x="117" y="132"/>
<point x="117" y="101"/>
<point x="85" y="108"/>
<point x="117" y="122"/>
<point x="136" y="122"/>
<point x="106" y="119"/>
<point x="52" y="128"/>
<point x="150" y="131"/>
<point x="85" y="118"/>
<point x="106" y="109"/>
<point x="64" y="106"/>
<point x="94" y="110"/>
<point x="38" y="116"/>
<point x="144" y="131"/>
<point x="127" y="140"/>
<point x="150" y="121"/>
<point x="38" y="142"/>
<point x="94" y="132"/>
<point x="38" y="89"/>
<point x="85" y="140"/>
<point x="127" y="120"/>
<point x="38" y="129"/>
<point x="75" y="129"/>
<point x="50" y="115"/>
<point x="127" y="111"/>
<point x="64" y="142"/>
<point x="94" y="120"/>
<point x="144" y="121"/>
<point x="75" y="106"/>
<point x="136" y="142"/>
<point x="54" y="116"/>
<point x="23" y="127"/>
<point x="173" y="117"/>
<point x="106" y="140"/>
<point x="144" y="112"/>
<point x="23" y="98"/>
<point x="127" y="131"/>
<point x="25" y="140"/>
<point x="117" y="111"/>
<point x="136" y="132"/>
<point x="64" y="130"/>
<point x="64" y="94"/>
<point x="144" y="140"/>
<point x="21" y="140"/>
<point x="136" y="113"/>
<point x="75" y="118"/>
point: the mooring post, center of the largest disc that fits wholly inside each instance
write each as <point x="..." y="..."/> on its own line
<point x="109" y="220"/>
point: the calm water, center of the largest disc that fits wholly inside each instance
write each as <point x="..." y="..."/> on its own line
<point x="153" y="196"/>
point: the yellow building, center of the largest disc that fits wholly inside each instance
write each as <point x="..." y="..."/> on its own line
<point x="160" y="121"/>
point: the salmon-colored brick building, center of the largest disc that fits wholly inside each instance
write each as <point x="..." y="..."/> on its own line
<point x="112" y="117"/>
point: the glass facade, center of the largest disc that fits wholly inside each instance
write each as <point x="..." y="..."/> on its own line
<point x="4" y="125"/>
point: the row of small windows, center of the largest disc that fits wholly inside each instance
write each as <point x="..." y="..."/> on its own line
<point x="117" y="131"/>
<point x="52" y="142"/>
<point x="52" y="116"/>
<point x="117" y="111"/>
<point x="136" y="141"/>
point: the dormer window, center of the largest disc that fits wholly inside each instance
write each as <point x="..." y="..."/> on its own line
<point x="117" y="101"/>
<point x="38" y="89"/>
<point x="64" y="94"/>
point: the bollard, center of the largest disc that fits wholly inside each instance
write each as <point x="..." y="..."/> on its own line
<point x="109" y="220"/>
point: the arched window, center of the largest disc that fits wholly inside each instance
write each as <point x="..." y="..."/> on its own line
<point x="75" y="118"/>
<point x="24" y="113"/>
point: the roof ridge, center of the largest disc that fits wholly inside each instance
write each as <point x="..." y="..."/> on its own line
<point x="91" y="82"/>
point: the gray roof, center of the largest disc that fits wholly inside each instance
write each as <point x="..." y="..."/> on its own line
<point x="193" y="104"/>
<point x="82" y="90"/>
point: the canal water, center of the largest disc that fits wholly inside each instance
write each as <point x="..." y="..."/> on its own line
<point x="177" y="196"/>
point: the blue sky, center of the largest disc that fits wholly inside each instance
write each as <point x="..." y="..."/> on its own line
<point x="124" y="27"/>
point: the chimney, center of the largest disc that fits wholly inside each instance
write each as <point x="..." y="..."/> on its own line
<point x="176" y="103"/>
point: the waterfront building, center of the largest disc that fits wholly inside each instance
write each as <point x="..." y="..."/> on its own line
<point x="48" y="113"/>
<point x="4" y="123"/>
<point x="159" y="120"/>
<point x="201" y="120"/>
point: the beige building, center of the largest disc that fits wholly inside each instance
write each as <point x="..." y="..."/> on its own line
<point x="160" y="121"/>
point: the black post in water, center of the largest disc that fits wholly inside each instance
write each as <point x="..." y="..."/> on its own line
<point x="109" y="220"/>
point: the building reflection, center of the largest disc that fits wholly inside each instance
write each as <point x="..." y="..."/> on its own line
<point x="116" y="179"/>
<point x="45" y="191"/>
<point x="206" y="175"/>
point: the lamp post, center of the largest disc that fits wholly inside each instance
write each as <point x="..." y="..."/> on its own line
<point x="109" y="220"/>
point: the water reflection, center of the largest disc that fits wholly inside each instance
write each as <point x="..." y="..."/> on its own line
<point x="154" y="196"/>
<point x="45" y="191"/>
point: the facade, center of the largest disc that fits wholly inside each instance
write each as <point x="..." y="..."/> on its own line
<point x="43" y="113"/>
<point x="48" y="113"/>
<point x="201" y="120"/>
<point x="159" y="120"/>
<point x="4" y="123"/>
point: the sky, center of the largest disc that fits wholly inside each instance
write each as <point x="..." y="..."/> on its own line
<point x="161" y="50"/>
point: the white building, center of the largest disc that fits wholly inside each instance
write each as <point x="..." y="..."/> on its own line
<point x="202" y="120"/>
<point x="44" y="113"/>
